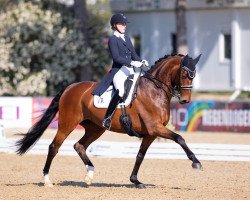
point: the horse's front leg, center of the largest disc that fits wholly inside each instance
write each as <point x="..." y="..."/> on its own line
<point x="168" y="134"/>
<point x="146" y="142"/>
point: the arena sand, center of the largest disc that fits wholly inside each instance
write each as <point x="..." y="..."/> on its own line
<point x="165" y="179"/>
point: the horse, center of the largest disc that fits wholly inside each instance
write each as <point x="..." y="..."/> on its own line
<point x="150" y="112"/>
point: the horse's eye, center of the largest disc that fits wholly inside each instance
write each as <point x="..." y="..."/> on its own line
<point x="184" y="76"/>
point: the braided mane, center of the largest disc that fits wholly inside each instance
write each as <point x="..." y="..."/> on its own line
<point x="164" y="58"/>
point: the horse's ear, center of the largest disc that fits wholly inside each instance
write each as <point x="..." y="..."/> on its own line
<point x="185" y="60"/>
<point x="196" y="60"/>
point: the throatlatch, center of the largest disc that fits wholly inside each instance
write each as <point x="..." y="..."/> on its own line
<point x="126" y="123"/>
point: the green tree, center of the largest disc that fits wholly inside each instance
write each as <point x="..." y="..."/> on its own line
<point x="81" y="15"/>
<point x="97" y="42"/>
<point x="98" y="32"/>
<point x="42" y="49"/>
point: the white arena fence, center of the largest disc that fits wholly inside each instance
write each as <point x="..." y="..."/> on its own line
<point x="107" y="149"/>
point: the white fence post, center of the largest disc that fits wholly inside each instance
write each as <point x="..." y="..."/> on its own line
<point x="2" y="136"/>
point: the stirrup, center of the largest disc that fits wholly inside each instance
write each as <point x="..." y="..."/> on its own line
<point x="107" y="123"/>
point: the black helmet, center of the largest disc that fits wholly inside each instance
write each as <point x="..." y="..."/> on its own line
<point x="118" y="18"/>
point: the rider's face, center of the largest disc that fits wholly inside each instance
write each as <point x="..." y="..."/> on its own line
<point x="121" y="27"/>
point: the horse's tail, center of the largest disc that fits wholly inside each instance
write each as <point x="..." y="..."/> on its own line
<point x="36" y="131"/>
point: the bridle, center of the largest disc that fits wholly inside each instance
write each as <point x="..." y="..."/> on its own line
<point x="170" y="90"/>
<point x="191" y="75"/>
<point x="176" y="90"/>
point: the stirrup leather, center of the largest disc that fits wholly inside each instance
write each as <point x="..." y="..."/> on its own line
<point x="107" y="122"/>
<point x="111" y="109"/>
<point x="126" y="123"/>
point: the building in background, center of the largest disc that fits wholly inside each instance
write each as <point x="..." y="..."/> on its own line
<point x="219" y="29"/>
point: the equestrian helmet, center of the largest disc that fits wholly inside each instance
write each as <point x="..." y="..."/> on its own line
<point x="118" y="18"/>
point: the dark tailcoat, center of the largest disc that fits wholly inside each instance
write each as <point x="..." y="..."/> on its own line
<point x="122" y="53"/>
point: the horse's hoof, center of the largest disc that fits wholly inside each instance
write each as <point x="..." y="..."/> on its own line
<point x="197" y="166"/>
<point x="89" y="178"/>
<point x="48" y="184"/>
<point x="141" y="186"/>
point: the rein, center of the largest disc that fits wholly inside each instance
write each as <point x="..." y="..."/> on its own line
<point x="152" y="78"/>
<point x="176" y="90"/>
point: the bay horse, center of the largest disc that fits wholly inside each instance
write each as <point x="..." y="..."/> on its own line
<point x="150" y="112"/>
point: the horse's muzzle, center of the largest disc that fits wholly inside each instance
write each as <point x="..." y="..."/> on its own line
<point x="183" y="101"/>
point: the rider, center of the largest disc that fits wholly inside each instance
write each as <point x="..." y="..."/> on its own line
<point x="124" y="59"/>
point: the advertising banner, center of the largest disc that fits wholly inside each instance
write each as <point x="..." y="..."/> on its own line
<point x="211" y="116"/>
<point x="23" y="112"/>
<point x="15" y="112"/>
<point x="39" y="105"/>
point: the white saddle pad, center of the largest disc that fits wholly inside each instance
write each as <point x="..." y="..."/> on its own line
<point x="103" y="100"/>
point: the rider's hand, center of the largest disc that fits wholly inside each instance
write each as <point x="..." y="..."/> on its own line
<point x="145" y="62"/>
<point x="136" y="63"/>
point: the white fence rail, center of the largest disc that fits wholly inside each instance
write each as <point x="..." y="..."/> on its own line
<point x="218" y="152"/>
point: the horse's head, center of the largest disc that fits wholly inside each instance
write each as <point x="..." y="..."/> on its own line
<point x="174" y="75"/>
<point x="186" y="74"/>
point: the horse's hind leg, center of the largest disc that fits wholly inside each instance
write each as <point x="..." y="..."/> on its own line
<point x="61" y="135"/>
<point x="92" y="133"/>
<point x="146" y="142"/>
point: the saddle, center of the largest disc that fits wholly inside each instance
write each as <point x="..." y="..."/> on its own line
<point x="129" y="95"/>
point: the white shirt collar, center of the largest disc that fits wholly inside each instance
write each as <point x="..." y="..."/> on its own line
<point x="117" y="34"/>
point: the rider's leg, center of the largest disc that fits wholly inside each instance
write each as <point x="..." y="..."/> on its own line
<point x="120" y="78"/>
<point x="111" y="109"/>
<point x="118" y="81"/>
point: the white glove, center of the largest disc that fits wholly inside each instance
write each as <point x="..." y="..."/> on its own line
<point x="136" y="63"/>
<point x="145" y="62"/>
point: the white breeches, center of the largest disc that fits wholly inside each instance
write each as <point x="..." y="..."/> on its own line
<point x="120" y="78"/>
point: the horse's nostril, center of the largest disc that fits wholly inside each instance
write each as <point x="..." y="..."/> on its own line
<point x="183" y="101"/>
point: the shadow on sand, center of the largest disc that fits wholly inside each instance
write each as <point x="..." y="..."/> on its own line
<point x="97" y="185"/>
<point x="82" y="184"/>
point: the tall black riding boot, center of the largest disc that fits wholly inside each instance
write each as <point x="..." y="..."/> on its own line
<point x="115" y="100"/>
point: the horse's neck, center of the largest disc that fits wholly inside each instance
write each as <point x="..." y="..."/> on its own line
<point x="156" y="83"/>
<point x="164" y="72"/>
<point x="154" y="96"/>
